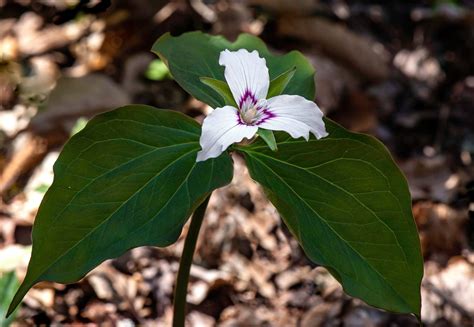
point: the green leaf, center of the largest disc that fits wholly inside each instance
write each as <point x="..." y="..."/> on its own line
<point x="81" y="122"/>
<point x="128" y="179"/>
<point x="269" y="138"/>
<point x="157" y="71"/>
<point x="221" y="88"/>
<point x="278" y="84"/>
<point x="42" y="188"/>
<point x="348" y="205"/>
<point x="203" y="61"/>
<point x="8" y="286"/>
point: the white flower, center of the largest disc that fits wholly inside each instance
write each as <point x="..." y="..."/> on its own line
<point x="247" y="76"/>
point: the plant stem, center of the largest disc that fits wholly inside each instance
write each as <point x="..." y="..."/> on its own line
<point x="181" y="286"/>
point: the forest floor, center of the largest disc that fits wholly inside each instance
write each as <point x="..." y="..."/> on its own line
<point x="401" y="72"/>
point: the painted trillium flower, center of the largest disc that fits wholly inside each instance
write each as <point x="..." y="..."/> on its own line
<point x="247" y="75"/>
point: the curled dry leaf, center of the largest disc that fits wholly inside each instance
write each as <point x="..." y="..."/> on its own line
<point x="78" y="97"/>
<point x="340" y="43"/>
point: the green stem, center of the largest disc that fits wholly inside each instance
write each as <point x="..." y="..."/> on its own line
<point x="181" y="287"/>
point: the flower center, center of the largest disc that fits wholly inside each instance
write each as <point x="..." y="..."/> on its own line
<point x="249" y="108"/>
<point x="249" y="116"/>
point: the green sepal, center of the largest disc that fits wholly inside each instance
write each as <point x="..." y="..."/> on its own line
<point x="279" y="83"/>
<point x="269" y="138"/>
<point x="220" y="87"/>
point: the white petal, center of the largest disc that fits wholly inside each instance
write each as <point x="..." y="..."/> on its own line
<point x="294" y="115"/>
<point x="220" y="129"/>
<point x="246" y="73"/>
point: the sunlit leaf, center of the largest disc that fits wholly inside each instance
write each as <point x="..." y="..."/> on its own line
<point x="157" y="71"/>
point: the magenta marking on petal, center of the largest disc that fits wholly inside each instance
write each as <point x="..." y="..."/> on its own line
<point x="266" y="115"/>
<point x="248" y="95"/>
<point x="239" y="120"/>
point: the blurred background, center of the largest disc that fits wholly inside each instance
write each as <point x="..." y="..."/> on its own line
<point x="400" y="70"/>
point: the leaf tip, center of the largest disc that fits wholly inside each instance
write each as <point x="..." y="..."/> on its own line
<point x="20" y="293"/>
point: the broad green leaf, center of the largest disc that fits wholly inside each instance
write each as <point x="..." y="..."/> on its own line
<point x="268" y="137"/>
<point x="348" y="205"/>
<point x="128" y="179"/>
<point x="202" y="60"/>
<point x="8" y="285"/>
<point x="221" y="88"/>
<point x="278" y="84"/>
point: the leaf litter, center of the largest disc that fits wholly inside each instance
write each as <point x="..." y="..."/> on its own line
<point x="248" y="270"/>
